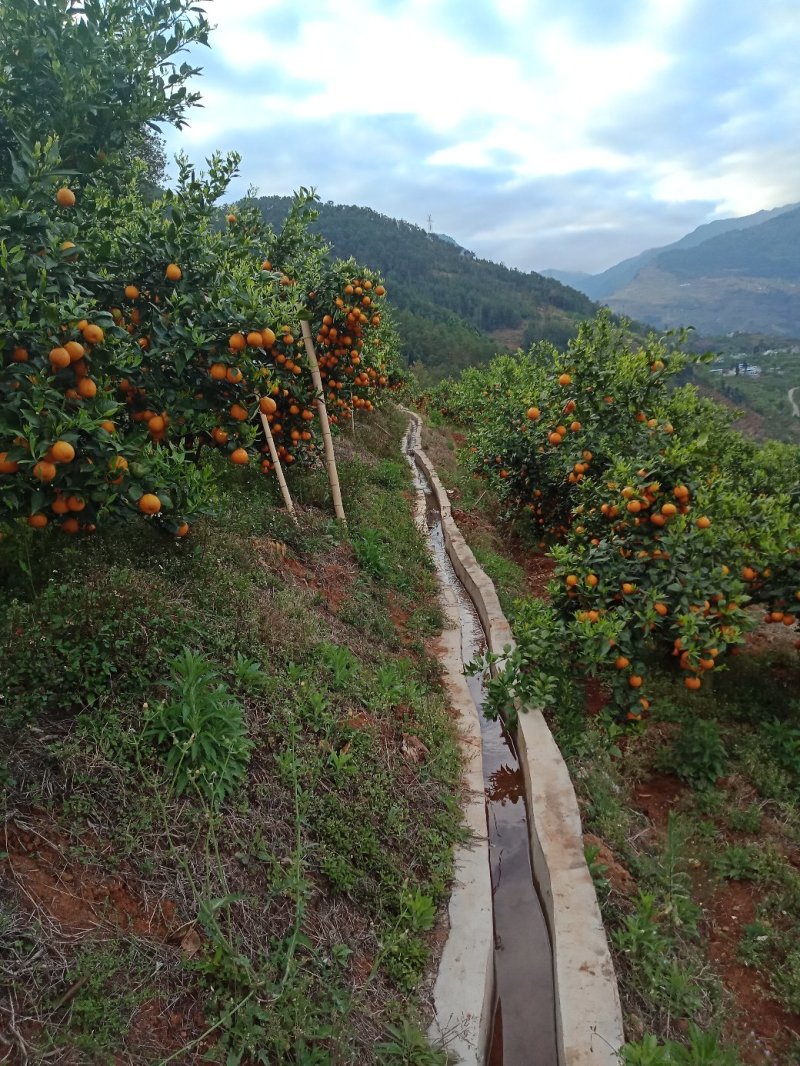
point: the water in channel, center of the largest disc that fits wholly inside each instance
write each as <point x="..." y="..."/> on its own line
<point x="524" y="1028"/>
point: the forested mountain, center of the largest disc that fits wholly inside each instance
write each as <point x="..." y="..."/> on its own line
<point x="452" y="309"/>
<point x="732" y="274"/>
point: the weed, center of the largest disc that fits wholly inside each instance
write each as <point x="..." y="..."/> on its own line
<point x="698" y="755"/>
<point x="739" y="863"/>
<point x="408" y="1046"/>
<point x="203" y="730"/>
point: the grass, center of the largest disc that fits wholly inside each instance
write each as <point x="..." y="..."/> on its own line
<point x="241" y="864"/>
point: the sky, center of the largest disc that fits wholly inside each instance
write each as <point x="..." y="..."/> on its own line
<point x="564" y="134"/>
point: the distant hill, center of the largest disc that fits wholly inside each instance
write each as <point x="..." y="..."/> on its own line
<point x="452" y="309"/>
<point x="731" y="274"/>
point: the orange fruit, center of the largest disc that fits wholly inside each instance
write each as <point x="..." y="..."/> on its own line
<point x="59" y="358"/>
<point x="230" y="219"/>
<point x="149" y="503"/>
<point x="70" y="525"/>
<point x="660" y="608"/>
<point x="65" y="197"/>
<point x="268" y="338"/>
<point x="8" y="466"/>
<point x="240" y="457"/>
<point x="669" y="509"/>
<point x="62" y="452"/>
<point x="92" y="334"/>
<point x="131" y="292"/>
<point x="565" y="379"/>
<point x="574" y="426"/>
<point x="87" y="388"/>
<point x="156" y="424"/>
<point x="20" y="355"/>
<point x="703" y="522"/>
<point x="75" y="349"/>
<point x="182" y="529"/>
<point x="238" y="412"/>
<point x="59" y="506"/>
<point x="233" y="374"/>
<point x="693" y="683"/>
<point x="267" y="405"/>
<point x="621" y="662"/>
<point x="635" y="681"/>
<point x="236" y="342"/>
<point x="218" y="371"/>
<point x="533" y="413"/>
<point x="174" y="272"/>
<point x="37" y="521"/>
<point x="44" y="470"/>
<point x="591" y="581"/>
<point x="254" y="339"/>
<point x="75" y="503"/>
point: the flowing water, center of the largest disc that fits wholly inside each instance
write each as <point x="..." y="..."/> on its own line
<point x="524" y="1028"/>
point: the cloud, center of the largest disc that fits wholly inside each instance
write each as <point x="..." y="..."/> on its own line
<point x="564" y="135"/>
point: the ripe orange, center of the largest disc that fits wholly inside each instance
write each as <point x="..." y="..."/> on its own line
<point x="37" y="521"/>
<point x="628" y="588"/>
<point x="565" y="379"/>
<point x="65" y="197"/>
<point x="182" y="529"/>
<point x="75" y="349"/>
<point x="156" y="424"/>
<point x="268" y="338"/>
<point x="87" y="388"/>
<point x="254" y="339"/>
<point x="174" y="272"/>
<point x="59" y="358"/>
<point x="20" y="355"/>
<point x="591" y="581"/>
<point x="703" y="522"/>
<point x="59" y="506"/>
<point x="218" y="371"/>
<point x="693" y="683"/>
<point x="62" y="452"/>
<point x="621" y="662"/>
<point x="236" y="342"/>
<point x="267" y="405"/>
<point x="574" y="426"/>
<point x="75" y="503"/>
<point x="8" y="466"/>
<point x="44" y="471"/>
<point x="635" y="681"/>
<point x="131" y="292"/>
<point x="230" y="219"/>
<point x="92" y="334"/>
<point x="633" y="506"/>
<point x="571" y="580"/>
<point x="555" y="438"/>
<point x="234" y="375"/>
<point x="238" y="412"/>
<point x="240" y="457"/>
<point x="660" y="608"/>
<point x="669" y="509"/>
<point x="70" y="525"/>
<point x="533" y="413"/>
<point x="149" y="503"/>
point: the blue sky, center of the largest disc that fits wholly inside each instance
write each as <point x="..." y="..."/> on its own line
<point x="537" y="133"/>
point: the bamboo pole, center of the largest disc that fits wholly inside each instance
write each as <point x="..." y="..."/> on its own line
<point x="330" y="459"/>
<point x="276" y="462"/>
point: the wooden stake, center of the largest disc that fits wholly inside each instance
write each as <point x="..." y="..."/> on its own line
<point x="322" y="410"/>
<point x="276" y="462"/>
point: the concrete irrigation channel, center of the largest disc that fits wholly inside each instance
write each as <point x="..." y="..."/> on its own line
<point x="526" y="977"/>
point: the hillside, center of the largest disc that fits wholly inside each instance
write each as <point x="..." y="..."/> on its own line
<point x="732" y="274"/>
<point x="452" y="309"/>
<point x="610" y="281"/>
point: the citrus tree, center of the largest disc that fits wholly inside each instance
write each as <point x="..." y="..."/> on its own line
<point x="137" y="329"/>
<point x="665" y="525"/>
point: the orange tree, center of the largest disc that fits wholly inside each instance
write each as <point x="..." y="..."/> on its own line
<point x="664" y="523"/>
<point x="137" y="329"/>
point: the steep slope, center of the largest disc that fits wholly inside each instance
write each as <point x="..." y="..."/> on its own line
<point x="453" y="309"/>
<point x="747" y="280"/>
<point x="611" y="281"/>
